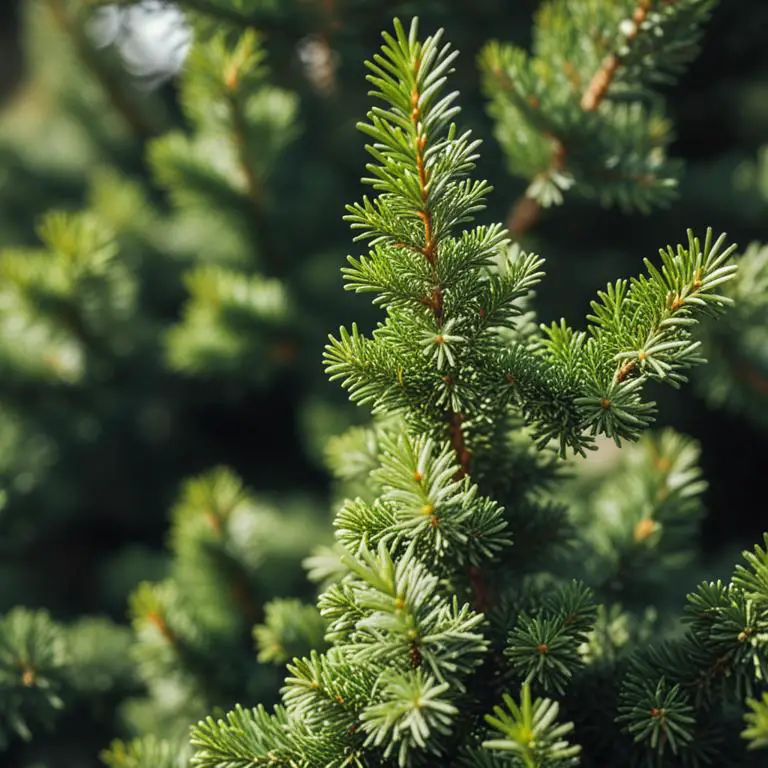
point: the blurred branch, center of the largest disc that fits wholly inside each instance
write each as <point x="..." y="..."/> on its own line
<point x="143" y="127"/>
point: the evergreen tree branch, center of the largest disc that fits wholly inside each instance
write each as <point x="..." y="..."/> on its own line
<point x="419" y="135"/>
<point x="145" y="752"/>
<point x="254" y="187"/>
<point x="601" y="80"/>
<point x="581" y="113"/>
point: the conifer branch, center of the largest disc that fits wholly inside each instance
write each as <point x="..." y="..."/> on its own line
<point x="601" y="80"/>
<point x="525" y="213"/>
<point x="721" y="658"/>
<point x="429" y="249"/>
<point x="531" y="732"/>
<point x="46" y="666"/>
<point x="613" y="149"/>
<point x="145" y="752"/>
<point x="32" y="672"/>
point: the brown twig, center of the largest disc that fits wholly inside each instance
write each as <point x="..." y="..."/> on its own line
<point x="156" y="618"/>
<point x="603" y="78"/>
<point x="429" y="251"/>
<point x="458" y="443"/>
<point x="526" y="212"/>
<point x="523" y="215"/>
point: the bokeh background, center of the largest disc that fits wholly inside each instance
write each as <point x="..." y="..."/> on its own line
<point x="91" y="462"/>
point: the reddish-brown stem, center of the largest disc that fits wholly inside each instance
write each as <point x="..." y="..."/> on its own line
<point x="524" y="215"/>
<point x="435" y="300"/>
<point x="625" y="370"/>
<point x="156" y="618"/>
<point x="458" y="443"/>
<point x="481" y="599"/>
<point x="526" y="212"/>
<point x="602" y="79"/>
<point x="599" y="84"/>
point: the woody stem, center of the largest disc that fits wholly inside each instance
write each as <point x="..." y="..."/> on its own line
<point x="429" y="252"/>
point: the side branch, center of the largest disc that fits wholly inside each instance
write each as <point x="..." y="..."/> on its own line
<point x="525" y="212"/>
<point x="603" y="78"/>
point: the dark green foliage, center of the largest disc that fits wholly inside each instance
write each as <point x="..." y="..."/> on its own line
<point x="194" y="646"/>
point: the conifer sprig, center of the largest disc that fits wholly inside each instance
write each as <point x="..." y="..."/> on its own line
<point x="32" y="671"/>
<point x="531" y="732"/>
<point x="73" y="296"/>
<point x="47" y="668"/>
<point x="437" y="356"/>
<point x="144" y="752"/>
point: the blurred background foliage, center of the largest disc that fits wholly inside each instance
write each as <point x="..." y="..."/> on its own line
<point x="170" y="246"/>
